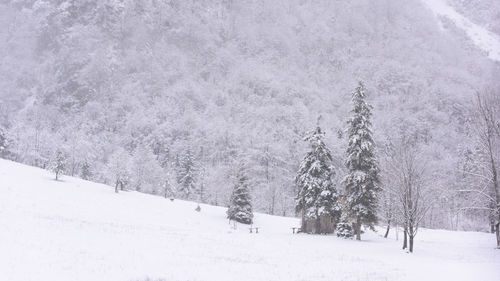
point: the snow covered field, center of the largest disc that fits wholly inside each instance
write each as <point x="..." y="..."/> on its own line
<point x="79" y="230"/>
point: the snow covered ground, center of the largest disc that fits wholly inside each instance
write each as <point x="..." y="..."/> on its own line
<point x="482" y="38"/>
<point x="79" y="230"/>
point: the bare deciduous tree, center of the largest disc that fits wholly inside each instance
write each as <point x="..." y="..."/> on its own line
<point x="409" y="187"/>
<point x="387" y="199"/>
<point x="486" y="113"/>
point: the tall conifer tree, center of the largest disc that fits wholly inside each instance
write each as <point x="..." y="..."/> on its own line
<point x="187" y="175"/>
<point x="317" y="194"/>
<point x="240" y="208"/>
<point x="361" y="182"/>
<point x="59" y="163"/>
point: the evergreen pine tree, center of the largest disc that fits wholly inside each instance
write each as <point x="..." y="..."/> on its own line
<point x="187" y="175"/>
<point x="59" y="163"/>
<point x="361" y="182"/>
<point x="317" y="194"/>
<point x="240" y="208"/>
<point x="344" y="230"/>
<point x="168" y="185"/>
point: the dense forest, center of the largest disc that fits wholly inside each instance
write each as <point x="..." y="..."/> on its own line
<point x="168" y="97"/>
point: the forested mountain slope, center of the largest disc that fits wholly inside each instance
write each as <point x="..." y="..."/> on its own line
<point x="483" y="12"/>
<point x="147" y="82"/>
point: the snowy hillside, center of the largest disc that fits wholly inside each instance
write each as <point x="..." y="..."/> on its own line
<point x="79" y="230"/>
<point x="482" y="38"/>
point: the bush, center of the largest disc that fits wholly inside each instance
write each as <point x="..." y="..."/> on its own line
<point x="345" y="230"/>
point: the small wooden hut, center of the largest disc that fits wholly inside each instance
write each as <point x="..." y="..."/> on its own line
<point x="325" y="224"/>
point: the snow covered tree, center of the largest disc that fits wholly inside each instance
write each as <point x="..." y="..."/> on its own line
<point x="361" y="182"/>
<point x="317" y="195"/>
<point x="4" y="144"/>
<point x="86" y="172"/>
<point x="410" y="188"/>
<point x="169" y="189"/>
<point x="344" y="230"/>
<point x="119" y="168"/>
<point x="240" y="208"/>
<point x="486" y="182"/>
<point x="58" y="164"/>
<point x="271" y="177"/>
<point x="387" y="208"/>
<point x="387" y="204"/>
<point x="273" y="182"/>
<point x="146" y="172"/>
<point x="187" y="175"/>
<point x="202" y="175"/>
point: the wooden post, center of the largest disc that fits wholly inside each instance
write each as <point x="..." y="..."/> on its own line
<point x="387" y="230"/>
<point x="304" y="226"/>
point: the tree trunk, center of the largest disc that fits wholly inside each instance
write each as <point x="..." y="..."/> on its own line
<point x="405" y="238"/>
<point x="411" y="243"/>
<point x="358" y="229"/>
<point x="73" y="162"/>
<point x="431" y="218"/>
<point x="498" y="235"/>
<point x="387" y="230"/>
<point x="318" y="225"/>
<point x="273" y="200"/>
<point x="303" y="226"/>
<point x="116" y="186"/>
<point x="497" y="194"/>
<point x="411" y="235"/>
<point x="489" y="136"/>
